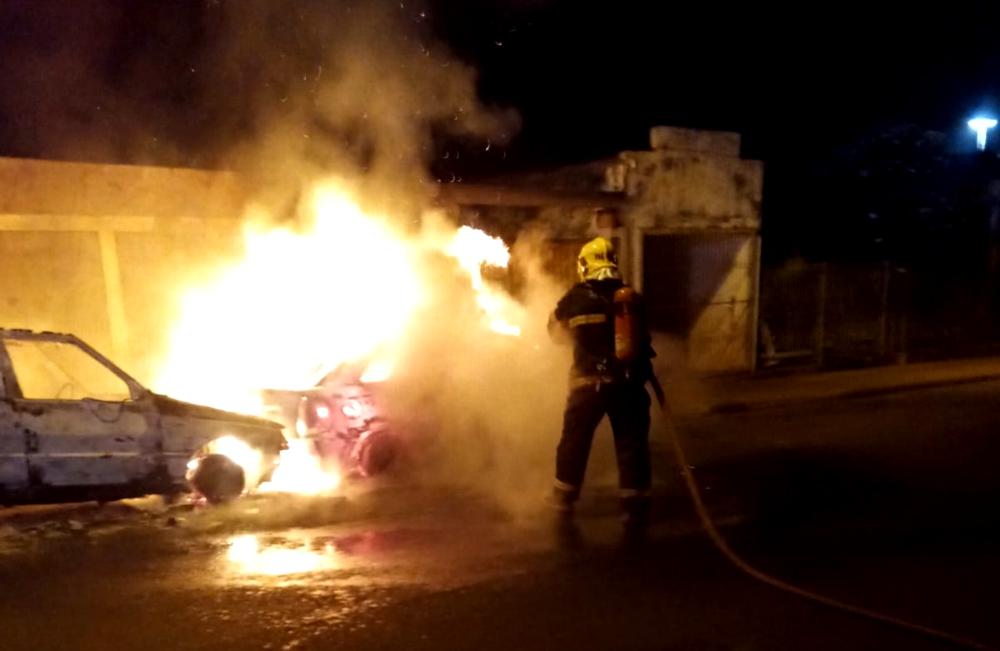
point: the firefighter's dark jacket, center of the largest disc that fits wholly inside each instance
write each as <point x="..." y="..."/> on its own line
<point x="587" y="312"/>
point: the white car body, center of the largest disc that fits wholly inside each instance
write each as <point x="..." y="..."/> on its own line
<point x="75" y="426"/>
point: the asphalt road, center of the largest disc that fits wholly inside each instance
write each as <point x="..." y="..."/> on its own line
<point x="887" y="502"/>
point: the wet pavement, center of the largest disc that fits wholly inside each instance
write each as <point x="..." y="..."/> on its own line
<point x="887" y="502"/>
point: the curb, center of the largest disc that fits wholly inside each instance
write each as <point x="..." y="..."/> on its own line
<point x="30" y="514"/>
<point x="742" y="406"/>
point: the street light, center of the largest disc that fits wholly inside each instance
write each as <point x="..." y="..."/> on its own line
<point x="981" y="126"/>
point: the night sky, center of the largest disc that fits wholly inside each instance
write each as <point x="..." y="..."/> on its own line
<point x="588" y="78"/>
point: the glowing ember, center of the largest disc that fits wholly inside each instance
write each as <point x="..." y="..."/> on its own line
<point x="301" y="471"/>
<point x="249" y="556"/>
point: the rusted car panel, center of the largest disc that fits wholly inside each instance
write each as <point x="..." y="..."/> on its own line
<point x="87" y="443"/>
<point x="186" y="427"/>
<point x="13" y="455"/>
<point x="70" y="419"/>
<point x="13" y="458"/>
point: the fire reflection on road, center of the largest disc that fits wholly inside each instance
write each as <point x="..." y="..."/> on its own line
<point x="251" y="555"/>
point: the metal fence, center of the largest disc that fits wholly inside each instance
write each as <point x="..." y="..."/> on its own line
<point x="855" y="315"/>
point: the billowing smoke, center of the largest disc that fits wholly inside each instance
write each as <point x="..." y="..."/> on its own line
<point x="358" y="92"/>
<point x="364" y="101"/>
<point x="489" y="405"/>
<point x="279" y="88"/>
<point x="82" y="81"/>
<point x="295" y="95"/>
<point x="359" y="89"/>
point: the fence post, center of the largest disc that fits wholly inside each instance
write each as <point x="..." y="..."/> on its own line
<point x="904" y="312"/>
<point x="883" y="319"/>
<point x="821" y="315"/>
<point x="755" y="305"/>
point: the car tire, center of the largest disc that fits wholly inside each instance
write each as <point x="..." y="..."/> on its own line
<point x="377" y="455"/>
<point x="218" y="478"/>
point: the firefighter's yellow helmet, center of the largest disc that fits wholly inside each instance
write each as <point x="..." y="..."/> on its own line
<point x="597" y="260"/>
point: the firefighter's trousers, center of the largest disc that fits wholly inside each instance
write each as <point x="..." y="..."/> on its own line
<point x="627" y="406"/>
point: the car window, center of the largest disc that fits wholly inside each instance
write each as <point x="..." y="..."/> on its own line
<point x="52" y="370"/>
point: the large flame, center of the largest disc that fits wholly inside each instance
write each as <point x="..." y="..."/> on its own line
<point x="473" y="249"/>
<point x="296" y="306"/>
<point x="300" y="470"/>
<point x="301" y="302"/>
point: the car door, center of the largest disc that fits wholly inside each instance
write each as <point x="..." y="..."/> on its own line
<point x="13" y="461"/>
<point x="82" y="423"/>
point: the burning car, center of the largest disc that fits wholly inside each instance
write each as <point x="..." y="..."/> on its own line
<point x="342" y="421"/>
<point x="75" y="426"/>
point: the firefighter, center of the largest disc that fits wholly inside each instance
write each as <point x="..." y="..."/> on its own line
<point x="609" y="373"/>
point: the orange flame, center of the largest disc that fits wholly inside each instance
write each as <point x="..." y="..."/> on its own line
<point x="248" y="554"/>
<point x="302" y="302"/>
<point x="473" y="249"/>
<point x="300" y="470"/>
<point x="298" y="305"/>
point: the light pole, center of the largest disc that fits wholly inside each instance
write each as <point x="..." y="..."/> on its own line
<point x="982" y="127"/>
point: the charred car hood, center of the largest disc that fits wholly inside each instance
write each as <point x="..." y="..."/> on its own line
<point x="168" y="406"/>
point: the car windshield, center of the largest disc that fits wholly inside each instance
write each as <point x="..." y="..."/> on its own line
<point x="53" y="370"/>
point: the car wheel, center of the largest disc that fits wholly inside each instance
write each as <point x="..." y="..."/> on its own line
<point x="218" y="478"/>
<point x="174" y="497"/>
<point x="378" y="453"/>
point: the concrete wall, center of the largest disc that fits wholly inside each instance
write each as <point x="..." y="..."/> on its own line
<point x="695" y="183"/>
<point x="688" y="189"/>
<point x="100" y="250"/>
<point x="691" y="183"/>
<point x="57" y="188"/>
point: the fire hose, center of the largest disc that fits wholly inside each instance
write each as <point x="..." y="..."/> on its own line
<point x="745" y="567"/>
